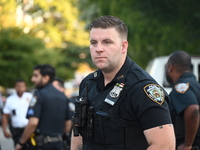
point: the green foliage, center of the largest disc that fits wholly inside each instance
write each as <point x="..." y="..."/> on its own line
<point x="61" y="39"/>
<point x="21" y="52"/>
<point x="76" y="55"/>
<point x="59" y="24"/>
<point x="155" y="27"/>
<point x="16" y="55"/>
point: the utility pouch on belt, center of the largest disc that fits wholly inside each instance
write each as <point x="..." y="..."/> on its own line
<point x="80" y="114"/>
<point x="32" y="140"/>
<point x="90" y="123"/>
<point x="37" y="139"/>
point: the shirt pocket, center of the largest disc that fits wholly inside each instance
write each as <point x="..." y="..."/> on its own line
<point x="106" y="129"/>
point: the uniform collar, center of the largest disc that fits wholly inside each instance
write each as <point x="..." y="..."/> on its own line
<point x="120" y="76"/>
<point x="18" y="95"/>
<point x="185" y="75"/>
<point x="47" y="85"/>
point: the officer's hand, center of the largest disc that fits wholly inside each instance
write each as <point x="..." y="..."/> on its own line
<point x="7" y="134"/>
<point x="184" y="147"/>
<point x="18" y="147"/>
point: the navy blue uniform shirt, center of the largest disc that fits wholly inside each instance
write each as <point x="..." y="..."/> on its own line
<point x="132" y="99"/>
<point x="185" y="92"/>
<point x="50" y="106"/>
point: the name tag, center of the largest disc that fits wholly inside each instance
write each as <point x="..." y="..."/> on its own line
<point x="113" y="96"/>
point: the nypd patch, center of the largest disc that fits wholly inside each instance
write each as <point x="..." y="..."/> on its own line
<point x="33" y="101"/>
<point x="182" y="87"/>
<point x="30" y="112"/>
<point x="155" y="93"/>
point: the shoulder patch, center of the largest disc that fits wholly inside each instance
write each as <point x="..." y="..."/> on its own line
<point x="182" y="87"/>
<point x="33" y="101"/>
<point x="30" y="112"/>
<point x="155" y="93"/>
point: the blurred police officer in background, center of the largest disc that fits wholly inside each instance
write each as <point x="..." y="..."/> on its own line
<point x="184" y="101"/>
<point x="15" y="110"/>
<point x="48" y="113"/>
<point x="120" y="105"/>
<point x="58" y="83"/>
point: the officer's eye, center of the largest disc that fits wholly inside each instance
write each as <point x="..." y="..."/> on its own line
<point x="93" y="42"/>
<point x="107" y="42"/>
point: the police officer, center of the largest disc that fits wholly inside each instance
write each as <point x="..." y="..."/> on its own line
<point x="129" y="109"/>
<point x="185" y="100"/>
<point x="15" y="110"/>
<point x="58" y="83"/>
<point x="48" y="112"/>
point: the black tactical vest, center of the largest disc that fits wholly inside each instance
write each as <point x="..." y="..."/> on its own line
<point x="112" y="133"/>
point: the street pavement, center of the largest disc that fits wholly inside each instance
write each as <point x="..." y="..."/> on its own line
<point x="6" y="144"/>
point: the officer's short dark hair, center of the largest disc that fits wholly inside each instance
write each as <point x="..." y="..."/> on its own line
<point x="106" y="22"/>
<point x="60" y="82"/>
<point x="181" y="60"/>
<point x="19" y="80"/>
<point x="46" y="69"/>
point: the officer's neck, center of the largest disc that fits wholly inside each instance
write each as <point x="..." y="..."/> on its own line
<point x="110" y="72"/>
<point x="109" y="76"/>
<point x="19" y="94"/>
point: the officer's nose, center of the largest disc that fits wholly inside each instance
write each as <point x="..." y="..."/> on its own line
<point x="32" y="79"/>
<point x="99" y="48"/>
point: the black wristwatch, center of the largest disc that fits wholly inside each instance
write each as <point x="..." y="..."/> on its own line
<point x="21" y="144"/>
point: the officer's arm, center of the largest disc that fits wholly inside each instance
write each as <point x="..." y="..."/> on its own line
<point x="5" y="118"/>
<point x="161" y="137"/>
<point x="68" y="126"/>
<point x="76" y="142"/>
<point x="30" y="129"/>
<point x="191" y="119"/>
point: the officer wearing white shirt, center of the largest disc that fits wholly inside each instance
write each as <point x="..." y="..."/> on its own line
<point x="15" y="110"/>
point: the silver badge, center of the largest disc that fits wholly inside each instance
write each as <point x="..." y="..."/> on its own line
<point x="113" y="96"/>
<point x="116" y="90"/>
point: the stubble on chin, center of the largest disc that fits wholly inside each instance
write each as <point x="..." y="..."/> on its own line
<point x="100" y="66"/>
<point x="38" y="86"/>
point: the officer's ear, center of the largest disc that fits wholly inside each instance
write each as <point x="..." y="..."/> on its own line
<point x="170" y="68"/>
<point x="124" y="46"/>
<point x="46" y="79"/>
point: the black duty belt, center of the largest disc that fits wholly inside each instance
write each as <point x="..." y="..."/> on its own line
<point x="52" y="139"/>
<point x="18" y="130"/>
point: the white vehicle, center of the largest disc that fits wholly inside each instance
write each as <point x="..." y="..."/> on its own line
<point x="156" y="68"/>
